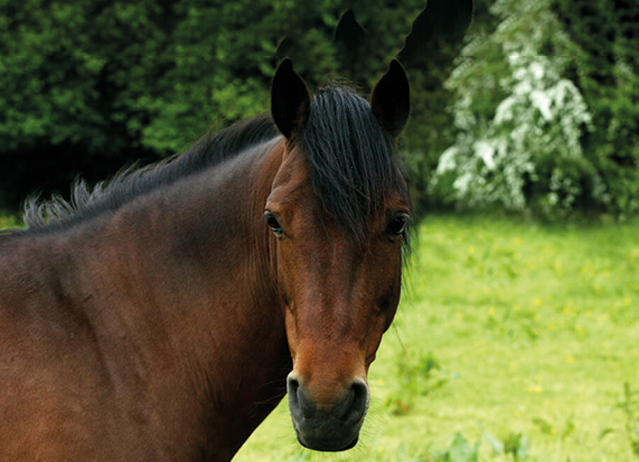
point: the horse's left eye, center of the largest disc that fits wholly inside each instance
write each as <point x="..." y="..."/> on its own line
<point x="397" y="226"/>
<point x="273" y="223"/>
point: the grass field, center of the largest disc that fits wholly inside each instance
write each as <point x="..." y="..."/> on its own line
<point x="514" y="341"/>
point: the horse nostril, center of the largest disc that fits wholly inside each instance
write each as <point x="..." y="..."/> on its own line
<point x="300" y="405"/>
<point x="355" y="402"/>
<point x="292" y="385"/>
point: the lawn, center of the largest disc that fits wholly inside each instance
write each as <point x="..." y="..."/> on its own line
<point x="514" y="341"/>
<point x="7" y="221"/>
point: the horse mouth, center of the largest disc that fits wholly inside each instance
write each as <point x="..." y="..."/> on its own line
<point x="326" y="445"/>
<point x="325" y="433"/>
<point x="333" y="427"/>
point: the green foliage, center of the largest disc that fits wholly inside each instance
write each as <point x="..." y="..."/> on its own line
<point x="478" y="282"/>
<point x="73" y="72"/>
<point x="605" y="65"/>
<point x="520" y="121"/>
<point x="73" y="76"/>
<point x="546" y="111"/>
<point x="460" y="450"/>
<point x="630" y="406"/>
<point x="88" y="86"/>
<point x="540" y="114"/>
<point x="431" y="128"/>
<point x="415" y="377"/>
<point x="8" y="221"/>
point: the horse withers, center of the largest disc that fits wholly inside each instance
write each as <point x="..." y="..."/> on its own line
<point x="164" y="314"/>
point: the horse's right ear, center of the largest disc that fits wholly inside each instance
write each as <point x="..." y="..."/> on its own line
<point x="290" y="99"/>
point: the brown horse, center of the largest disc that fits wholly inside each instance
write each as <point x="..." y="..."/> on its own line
<point x="163" y="315"/>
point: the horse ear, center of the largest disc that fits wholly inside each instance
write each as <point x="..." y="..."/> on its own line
<point x="290" y="99"/>
<point x="390" y="99"/>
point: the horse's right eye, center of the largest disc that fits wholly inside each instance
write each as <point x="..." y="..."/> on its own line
<point x="397" y="226"/>
<point x="273" y="223"/>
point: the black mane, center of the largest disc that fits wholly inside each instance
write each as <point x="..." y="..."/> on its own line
<point x="352" y="161"/>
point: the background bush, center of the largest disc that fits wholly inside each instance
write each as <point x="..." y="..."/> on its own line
<point x="540" y="112"/>
<point x="88" y="86"/>
<point x="546" y="111"/>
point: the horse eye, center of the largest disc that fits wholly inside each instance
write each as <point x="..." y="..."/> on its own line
<point x="397" y="226"/>
<point x="273" y="223"/>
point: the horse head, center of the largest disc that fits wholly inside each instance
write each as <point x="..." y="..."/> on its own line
<point x="338" y="210"/>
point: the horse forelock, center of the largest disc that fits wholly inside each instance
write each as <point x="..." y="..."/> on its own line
<point x="353" y="162"/>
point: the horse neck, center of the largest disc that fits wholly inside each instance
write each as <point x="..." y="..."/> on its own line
<point x="199" y="246"/>
<point x="179" y="286"/>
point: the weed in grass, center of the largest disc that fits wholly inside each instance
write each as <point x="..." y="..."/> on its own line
<point x="415" y="377"/>
<point x="517" y="445"/>
<point x="8" y="221"/>
<point x="460" y="450"/>
<point x="544" y="426"/>
<point x="497" y="446"/>
<point x="569" y="429"/>
<point x="630" y="407"/>
<point x="513" y="444"/>
<point x="554" y="431"/>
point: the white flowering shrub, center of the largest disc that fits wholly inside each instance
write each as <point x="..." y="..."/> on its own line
<point x="519" y="122"/>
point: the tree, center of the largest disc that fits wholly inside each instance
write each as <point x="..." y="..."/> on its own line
<point x="605" y="67"/>
<point x="73" y="76"/>
<point x="89" y="86"/>
<point x="532" y="131"/>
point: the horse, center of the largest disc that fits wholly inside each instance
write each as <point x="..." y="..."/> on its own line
<point x="162" y="315"/>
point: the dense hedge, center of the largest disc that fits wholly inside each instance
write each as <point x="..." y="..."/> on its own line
<point x="546" y="111"/>
<point x="75" y="80"/>
<point x="87" y="86"/>
<point x="541" y="112"/>
<point x="605" y="67"/>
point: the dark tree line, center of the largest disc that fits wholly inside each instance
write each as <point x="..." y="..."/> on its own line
<point x="88" y="86"/>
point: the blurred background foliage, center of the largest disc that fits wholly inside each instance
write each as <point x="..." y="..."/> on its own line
<point x="546" y="111"/>
<point x="536" y="110"/>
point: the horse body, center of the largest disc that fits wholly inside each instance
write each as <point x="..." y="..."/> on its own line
<point x="167" y="326"/>
<point x="146" y="344"/>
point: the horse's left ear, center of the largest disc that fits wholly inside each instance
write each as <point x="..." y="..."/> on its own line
<point x="290" y="99"/>
<point x="390" y="99"/>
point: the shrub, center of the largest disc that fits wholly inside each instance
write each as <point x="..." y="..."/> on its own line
<point x="520" y="122"/>
<point x="539" y="126"/>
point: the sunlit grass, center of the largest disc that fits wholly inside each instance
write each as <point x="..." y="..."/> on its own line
<point x="8" y="221"/>
<point x="512" y="335"/>
<point x="512" y="338"/>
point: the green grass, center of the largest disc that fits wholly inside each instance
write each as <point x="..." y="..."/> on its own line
<point x="8" y="221"/>
<point x="512" y="336"/>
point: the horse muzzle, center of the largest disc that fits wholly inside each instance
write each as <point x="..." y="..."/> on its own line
<point x="327" y="426"/>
